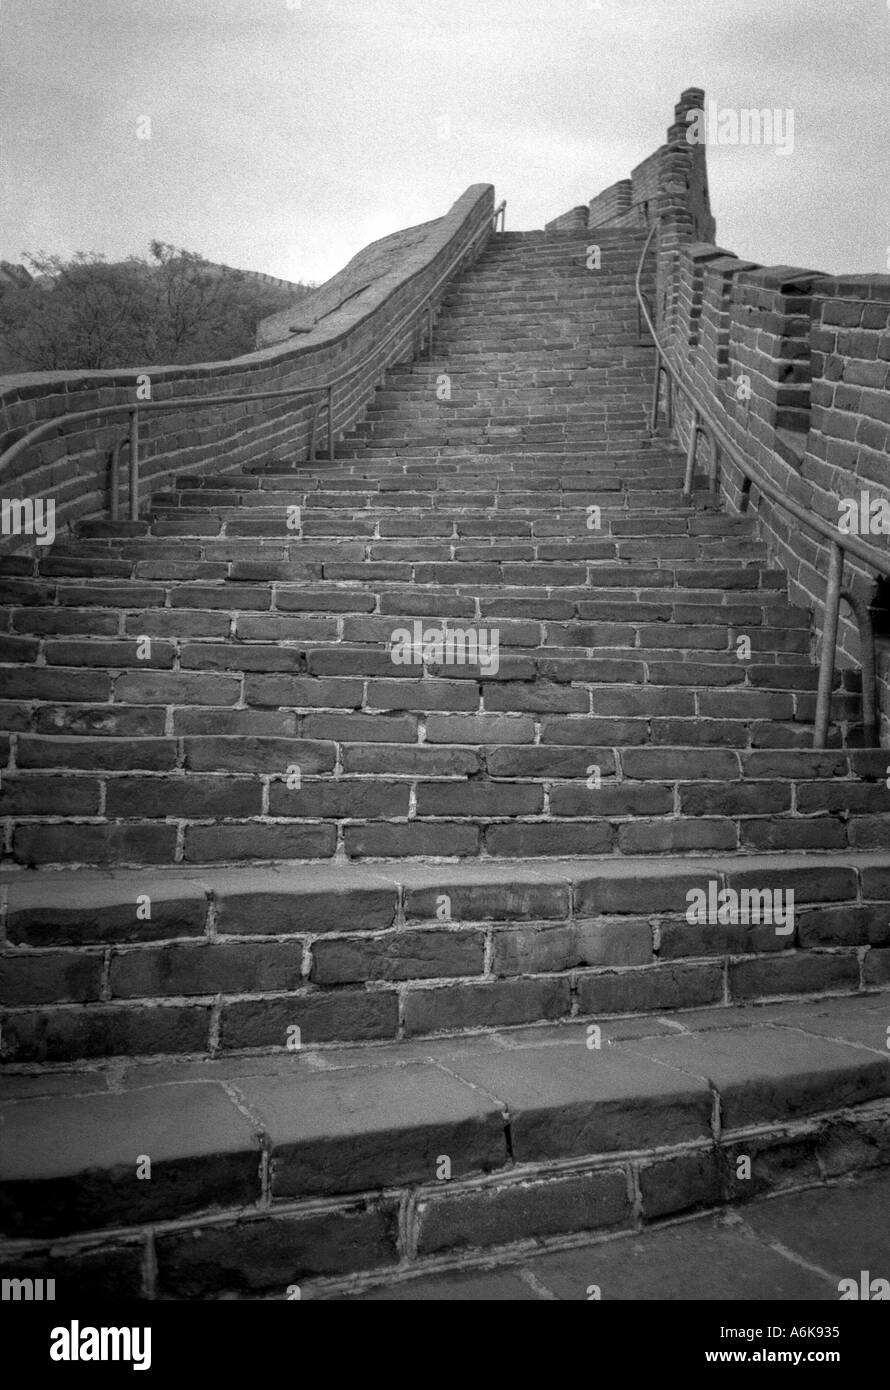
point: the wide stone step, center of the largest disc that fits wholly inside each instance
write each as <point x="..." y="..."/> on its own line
<point x="290" y="1168"/>
<point x="276" y="808"/>
<point x="214" y="960"/>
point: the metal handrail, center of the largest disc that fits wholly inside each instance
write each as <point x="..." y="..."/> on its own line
<point x="705" y="422"/>
<point x="135" y="409"/>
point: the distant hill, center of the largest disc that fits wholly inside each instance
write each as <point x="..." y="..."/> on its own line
<point x="87" y="313"/>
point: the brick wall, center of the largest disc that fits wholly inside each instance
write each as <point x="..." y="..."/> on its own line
<point x="796" y="367"/>
<point x="611" y="204"/>
<point x="575" y="220"/>
<point x="72" y="466"/>
<point x="633" y="202"/>
<point x="794" y="364"/>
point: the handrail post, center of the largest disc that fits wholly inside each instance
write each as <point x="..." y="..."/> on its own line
<point x="867" y="666"/>
<point x="331" y="423"/>
<point x="313" y="429"/>
<point x="653" y="419"/>
<point x="690" y="455"/>
<point x="134" y="464"/>
<point x="744" y="495"/>
<point x="829" y="644"/>
<point x="114" y="487"/>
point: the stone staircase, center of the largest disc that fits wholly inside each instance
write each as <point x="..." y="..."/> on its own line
<point x="241" y="840"/>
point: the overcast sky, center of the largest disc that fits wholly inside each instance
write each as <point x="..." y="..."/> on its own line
<point x="286" y="134"/>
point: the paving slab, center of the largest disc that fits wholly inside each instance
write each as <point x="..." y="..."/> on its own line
<point x="702" y="1260"/>
<point x="793" y="1248"/>
<point x="765" y="1074"/>
<point x="494" y="1286"/>
<point x="72" y="1163"/>
<point x="565" y="1101"/>
<point x="843" y="1229"/>
<point x="864" y="1020"/>
<point x="352" y="1130"/>
<point x="576" y="1034"/>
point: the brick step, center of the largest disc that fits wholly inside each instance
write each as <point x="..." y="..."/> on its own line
<point x="549" y="305"/>
<point x="276" y="1173"/>
<point x="395" y="557"/>
<point x="68" y="634"/>
<point x="230" y="958"/>
<point x="643" y="463"/>
<point x="525" y="672"/>
<point x="539" y="626"/>
<point x="273" y="1175"/>
<point x="571" y="324"/>
<point x="514" y="402"/>
<point x="594" y="349"/>
<point x="608" y="293"/>
<point x="585" y="660"/>
<point x="619" y="452"/>
<point x="644" y="798"/>
<point x="428" y="478"/>
<point x="606" y="378"/>
<point x="660" y="515"/>
<point x="580" y="397"/>
<point x="77" y="704"/>
<point x="81" y="667"/>
<point x="567" y="322"/>
<point x="675" y="581"/>
<point x="484" y="524"/>
<point x="466" y="407"/>
<point x="415" y="537"/>
<point x="649" y="460"/>
<point x="507" y="283"/>
<point x="462" y="497"/>
<point x="549" y="452"/>
<point x="602" y="689"/>
<point x="438" y="432"/>
<point x="190" y="809"/>
<point x="638" y="496"/>
<point x="558" y="287"/>
<point x="501" y="524"/>
<point x="553" y="566"/>
<point x="180" y="556"/>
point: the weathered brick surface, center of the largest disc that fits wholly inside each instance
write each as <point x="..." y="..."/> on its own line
<point x="79" y="1171"/>
<point x="400" y="955"/>
<point x="659" y="1121"/>
<point x="485" y="1005"/>
<point x="663" y="986"/>
<point x="270" y="722"/>
<point x="105" y="1030"/>
<point x="669" y="1185"/>
<point x="492" y="1215"/>
<point x="273" y="1254"/>
<point x="322" y="1017"/>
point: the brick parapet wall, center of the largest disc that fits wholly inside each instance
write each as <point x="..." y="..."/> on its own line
<point x="794" y="364"/>
<point x="796" y="368"/>
<point x="72" y="466"/>
<point x="575" y="220"/>
<point x="612" y="203"/>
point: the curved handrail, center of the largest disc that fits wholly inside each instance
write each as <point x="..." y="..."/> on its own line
<point x="136" y="408"/>
<point x="704" y="420"/>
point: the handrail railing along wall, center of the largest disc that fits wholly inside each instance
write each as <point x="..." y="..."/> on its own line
<point x="704" y="422"/>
